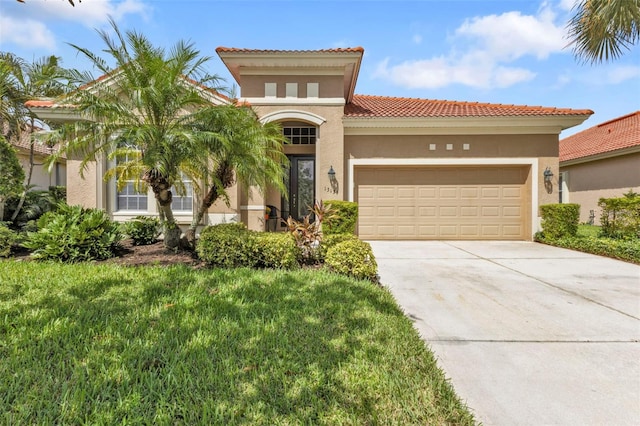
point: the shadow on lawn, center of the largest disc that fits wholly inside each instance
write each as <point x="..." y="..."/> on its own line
<point x="210" y="346"/>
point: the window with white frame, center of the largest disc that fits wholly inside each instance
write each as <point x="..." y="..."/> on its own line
<point x="183" y="202"/>
<point x="130" y="198"/>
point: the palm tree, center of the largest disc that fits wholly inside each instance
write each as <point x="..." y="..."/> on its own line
<point x="600" y="29"/>
<point x="252" y="155"/>
<point x="21" y="81"/>
<point x="145" y="114"/>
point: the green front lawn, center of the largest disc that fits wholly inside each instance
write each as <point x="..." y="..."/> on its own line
<point x="102" y="344"/>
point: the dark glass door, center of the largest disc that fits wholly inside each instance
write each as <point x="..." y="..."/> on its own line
<point x="301" y="183"/>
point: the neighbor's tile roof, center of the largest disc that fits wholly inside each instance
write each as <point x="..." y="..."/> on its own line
<point x="622" y="132"/>
<point x="242" y="50"/>
<point x="38" y="146"/>
<point x="364" y="106"/>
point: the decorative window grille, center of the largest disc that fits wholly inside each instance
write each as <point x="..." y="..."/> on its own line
<point x="300" y="135"/>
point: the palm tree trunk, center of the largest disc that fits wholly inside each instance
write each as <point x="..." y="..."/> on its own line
<point x="223" y="175"/>
<point x="162" y="191"/>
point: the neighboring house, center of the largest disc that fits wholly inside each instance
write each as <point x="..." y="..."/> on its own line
<point x="418" y="168"/>
<point x="41" y="179"/>
<point x="600" y="162"/>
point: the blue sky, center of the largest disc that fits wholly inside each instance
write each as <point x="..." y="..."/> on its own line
<point x="509" y="52"/>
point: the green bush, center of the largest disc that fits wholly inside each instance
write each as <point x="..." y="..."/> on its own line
<point x="274" y="250"/>
<point x="343" y="220"/>
<point x="353" y="257"/>
<point x="621" y="216"/>
<point x="36" y="203"/>
<point x="627" y="250"/>
<point x="331" y="240"/>
<point x="143" y="230"/>
<point x="8" y="239"/>
<point x="227" y="245"/>
<point x="58" y="193"/>
<point x="559" y="220"/>
<point x="74" y="234"/>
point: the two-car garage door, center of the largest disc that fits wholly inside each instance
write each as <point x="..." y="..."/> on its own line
<point x="443" y="202"/>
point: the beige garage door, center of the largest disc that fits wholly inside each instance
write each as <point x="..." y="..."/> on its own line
<point x="399" y="203"/>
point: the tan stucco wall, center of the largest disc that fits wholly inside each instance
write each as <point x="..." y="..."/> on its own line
<point x="607" y="178"/>
<point x="81" y="191"/>
<point x="330" y="86"/>
<point x="41" y="178"/>
<point x="329" y="148"/>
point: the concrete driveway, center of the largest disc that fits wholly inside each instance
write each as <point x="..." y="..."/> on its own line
<point x="528" y="334"/>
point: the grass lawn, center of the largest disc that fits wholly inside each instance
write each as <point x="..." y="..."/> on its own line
<point x="103" y="344"/>
<point x="588" y="230"/>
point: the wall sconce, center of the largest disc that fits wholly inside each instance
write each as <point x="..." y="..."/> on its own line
<point x="548" y="174"/>
<point x="332" y="180"/>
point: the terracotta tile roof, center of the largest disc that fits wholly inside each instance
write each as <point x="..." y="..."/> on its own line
<point x="364" y="106"/>
<point x="620" y="133"/>
<point x="223" y="49"/>
<point x="38" y="147"/>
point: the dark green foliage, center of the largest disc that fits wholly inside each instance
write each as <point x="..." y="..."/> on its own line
<point x="11" y="172"/>
<point x="627" y="250"/>
<point x="274" y="250"/>
<point x="74" y="234"/>
<point x="343" y="220"/>
<point x="621" y="216"/>
<point x="225" y="245"/>
<point x="331" y="240"/>
<point x="354" y="258"/>
<point x="8" y="239"/>
<point x="36" y="203"/>
<point x="143" y="230"/>
<point x="559" y="220"/>
<point x="58" y="193"/>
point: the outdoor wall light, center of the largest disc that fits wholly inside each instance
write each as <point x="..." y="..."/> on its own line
<point x="332" y="180"/>
<point x="548" y="174"/>
<point x="332" y="174"/>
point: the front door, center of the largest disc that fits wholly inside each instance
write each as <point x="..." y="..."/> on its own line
<point x="301" y="183"/>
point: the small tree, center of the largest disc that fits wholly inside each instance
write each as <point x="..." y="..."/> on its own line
<point x="11" y="173"/>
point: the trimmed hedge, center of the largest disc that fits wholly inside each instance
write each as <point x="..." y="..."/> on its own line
<point x="274" y="250"/>
<point x="626" y="250"/>
<point x="560" y="220"/>
<point x="331" y="240"/>
<point x="225" y="245"/>
<point x="343" y="220"/>
<point x="353" y="257"/>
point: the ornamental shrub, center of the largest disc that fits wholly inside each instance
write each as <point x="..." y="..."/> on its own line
<point x="227" y="245"/>
<point x="627" y="250"/>
<point x="621" y="216"/>
<point x="143" y="230"/>
<point x="353" y="257"/>
<point x="560" y="220"/>
<point x="8" y="240"/>
<point x="74" y="234"/>
<point x="342" y="220"/>
<point x="274" y="250"/>
<point x="331" y="240"/>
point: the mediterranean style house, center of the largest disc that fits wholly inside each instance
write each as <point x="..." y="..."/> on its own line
<point x="602" y="161"/>
<point x="41" y="178"/>
<point x="418" y="168"/>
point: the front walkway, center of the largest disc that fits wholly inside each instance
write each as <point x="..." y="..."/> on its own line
<point x="528" y="334"/>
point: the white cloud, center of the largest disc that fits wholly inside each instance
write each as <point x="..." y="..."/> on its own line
<point x="623" y="73"/>
<point x="26" y="33"/>
<point x="481" y="53"/>
<point x="89" y="13"/>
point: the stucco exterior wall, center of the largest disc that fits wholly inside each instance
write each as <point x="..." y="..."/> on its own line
<point x="41" y="179"/>
<point x="330" y="86"/>
<point x="329" y="148"/>
<point x="82" y="191"/>
<point x="606" y="178"/>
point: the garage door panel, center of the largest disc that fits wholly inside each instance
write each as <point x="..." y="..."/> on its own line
<point x="487" y="202"/>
